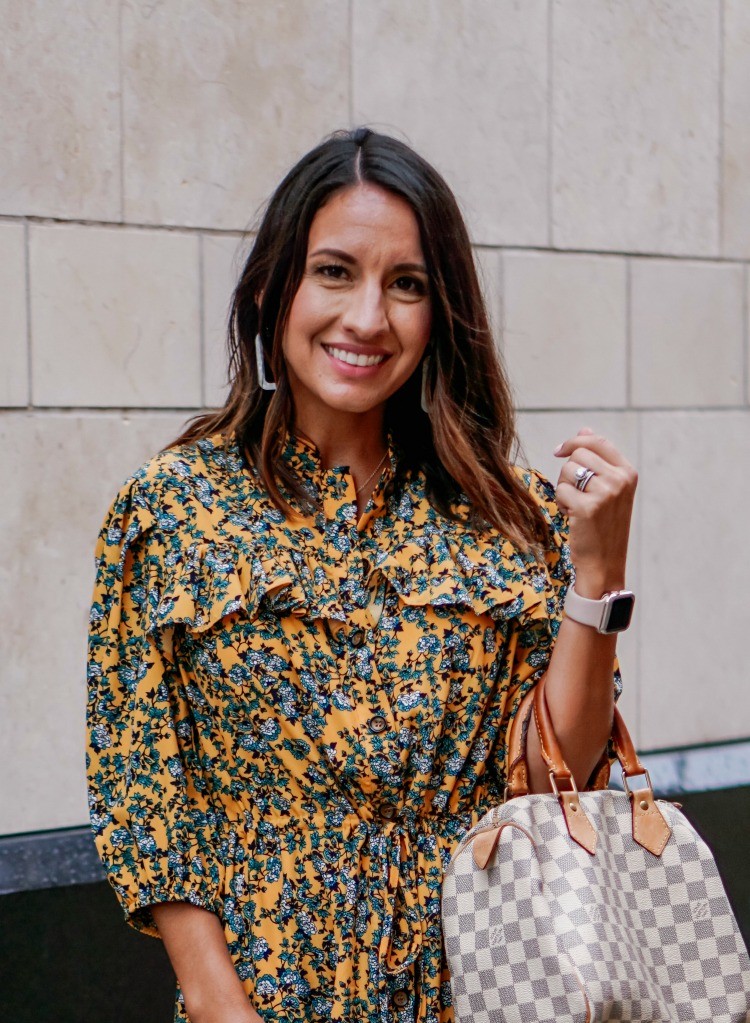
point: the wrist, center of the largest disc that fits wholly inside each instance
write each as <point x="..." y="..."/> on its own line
<point x="594" y="585"/>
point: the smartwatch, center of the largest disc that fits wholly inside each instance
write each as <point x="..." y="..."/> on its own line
<point x="610" y="614"/>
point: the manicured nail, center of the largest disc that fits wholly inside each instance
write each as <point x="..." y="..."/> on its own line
<point x="559" y="448"/>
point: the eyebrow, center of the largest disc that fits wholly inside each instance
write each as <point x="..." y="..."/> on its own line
<point x="346" y="258"/>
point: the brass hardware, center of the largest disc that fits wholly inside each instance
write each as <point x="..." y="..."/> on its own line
<point x="555" y="789"/>
<point x="645" y="774"/>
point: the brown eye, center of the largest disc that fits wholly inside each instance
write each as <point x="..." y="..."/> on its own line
<point x="410" y="285"/>
<point x="334" y="271"/>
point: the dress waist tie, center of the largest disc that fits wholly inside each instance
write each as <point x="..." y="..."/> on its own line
<point x="397" y="860"/>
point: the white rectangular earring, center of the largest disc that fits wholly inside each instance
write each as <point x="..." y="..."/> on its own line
<point x="425" y="374"/>
<point x="265" y="383"/>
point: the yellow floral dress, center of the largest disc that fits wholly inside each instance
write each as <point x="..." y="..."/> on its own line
<point x="291" y="723"/>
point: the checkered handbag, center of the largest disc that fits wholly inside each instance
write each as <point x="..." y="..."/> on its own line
<point x="606" y="905"/>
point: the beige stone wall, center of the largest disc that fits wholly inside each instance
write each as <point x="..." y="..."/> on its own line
<point x="601" y="151"/>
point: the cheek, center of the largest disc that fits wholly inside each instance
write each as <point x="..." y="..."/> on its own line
<point x="311" y="309"/>
<point x="416" y="331"/>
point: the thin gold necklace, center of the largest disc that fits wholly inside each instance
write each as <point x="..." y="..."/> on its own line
<point x="359" y="489"/>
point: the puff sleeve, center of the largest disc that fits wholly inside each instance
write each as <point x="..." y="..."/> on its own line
<point x="149" y="803"/>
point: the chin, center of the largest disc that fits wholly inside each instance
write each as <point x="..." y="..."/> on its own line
<point x="352" y="402"/>
<point x="354" y="407"/>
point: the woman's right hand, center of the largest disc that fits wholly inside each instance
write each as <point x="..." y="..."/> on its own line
<point x="195" y="943"/>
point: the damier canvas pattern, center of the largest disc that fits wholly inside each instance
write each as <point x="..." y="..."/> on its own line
<point x="550" y="933"/>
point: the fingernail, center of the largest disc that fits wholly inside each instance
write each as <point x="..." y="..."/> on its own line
<point x="559" y="448"/>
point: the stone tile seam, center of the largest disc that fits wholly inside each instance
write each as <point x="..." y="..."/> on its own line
<point x="121" y="109"/>
<point x="745" y="337"/>
<point x="350" y="66"/>
<point x="638" y="557"/>
<point x="550" y="123"/>
<point x="628" y="333"/>
<point x="27" y="299"/>
<point x="118" y="225"/>
<point x="202" y="320"/>
<point x="640" y="409"/>
<point x="720" y="127"/>
<point x="509" y="248"/>
<point x="147" y="410"/>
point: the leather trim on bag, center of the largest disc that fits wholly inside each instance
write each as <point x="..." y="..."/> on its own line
<point x="650" y="829"/>
<point x="580" y="827"/>
<point x="485" y="842"/>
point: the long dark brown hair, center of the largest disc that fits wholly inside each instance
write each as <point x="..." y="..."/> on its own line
<point x="464" y="444"/>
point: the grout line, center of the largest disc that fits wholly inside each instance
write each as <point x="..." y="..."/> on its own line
<point x="745" y="338"/>
<point x="27" y="285"/>
<point x="201" y="321"/>
<point x="93" y="411"/>
<point x="350" y="14"/>
<point x="550" y="121"/>
<point x="639" y="577"/>
<point x="720" y="147"/>
<point x="568" y="410"/>
<point x="241" y="234"/>
<point x="121" y="78"/>
<point x="628" y="334"/>
<point x="553" y="250"/>
<point x="676" y="409"/>
<point x="238" y="232"/>
<point x="501" y="311"/>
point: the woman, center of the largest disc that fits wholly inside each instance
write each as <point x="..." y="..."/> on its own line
<point x="316" y="613"/>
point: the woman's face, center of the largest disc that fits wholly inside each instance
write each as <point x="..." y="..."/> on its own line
<point x="360" y="320"/>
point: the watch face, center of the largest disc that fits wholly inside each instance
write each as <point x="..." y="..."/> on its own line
<point x="620" y="612"/>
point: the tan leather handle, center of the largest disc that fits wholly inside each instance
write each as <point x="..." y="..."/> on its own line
<point x="534" y="702"/>
<point x="650" y="829"/>
<point x="551" y="751"/>
<point x="625" y="749"/>
<point x="517" y="774"/>
<point x="517" y="780"/>
<point x="622" y="743"/>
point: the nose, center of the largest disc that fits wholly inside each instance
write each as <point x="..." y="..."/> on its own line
<point x="365" y="312"/>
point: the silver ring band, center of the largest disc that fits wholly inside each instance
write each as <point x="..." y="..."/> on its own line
<point x="583" y="478"/>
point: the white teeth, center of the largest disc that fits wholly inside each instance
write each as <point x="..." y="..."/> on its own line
<point x="354" y="360"/>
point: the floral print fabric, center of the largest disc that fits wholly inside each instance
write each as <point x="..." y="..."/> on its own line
<point x="292" y="722"/>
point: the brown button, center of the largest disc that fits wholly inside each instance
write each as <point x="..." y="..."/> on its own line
<point x="400" y="999"/>
<point x="388" y="812"/>
<point x="377" y="724"/>
<point x="357" y="638"/>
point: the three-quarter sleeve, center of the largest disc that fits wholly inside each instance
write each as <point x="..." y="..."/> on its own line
<point x="531" y="640"/>
<point x="149" y="802"/>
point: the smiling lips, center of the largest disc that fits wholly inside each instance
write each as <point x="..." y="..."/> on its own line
<point x="354" y="358"/>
